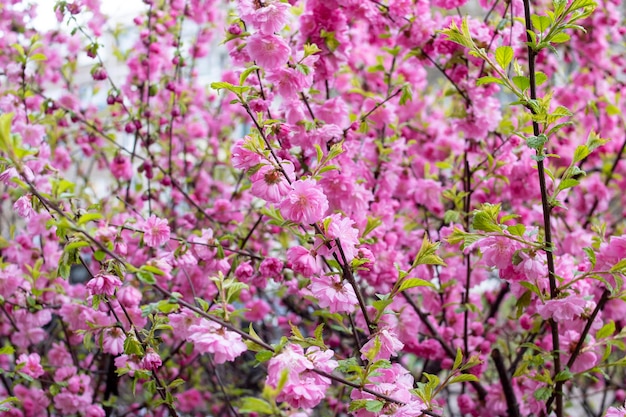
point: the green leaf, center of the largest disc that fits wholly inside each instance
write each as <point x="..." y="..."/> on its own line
<point x="521" y="82"/>
<point x="591" y="255"/>
<point x="255" y="405"/>
<point x="427" y="254"/>
<point x="244" y="75"/>
<point x="37" y="57"/>
<point x="463" y="378"/>
<point x="541" y="23"/>
<point x="581" y="152"/>
<point x="146" y="277"/>
<point x="620" y="266"/>
<point x="543" y="394"/>
<point x="238" y="90"/>
<point x="489" y="80"/>
<point x="560" y="37"/>
<point x="203" y="304"/>
<point x="263" y="356"/>
<point x="132" y="346"/>
<point x="407" y="94"/>
<point x="517" y="229"/>
<point x="606" y="330"/>
<point x="99" y="255"/>
<point x="311" y="49"/>
<point x="540" y="78"/>
<point x="7" y="350"/>
<point x="536" y="142"/>
<point x="568" y="183"/>
<point x="504" y="56"/>
<point x="415" y="282"/>
<point x="5" y="131"/>
<point x="564" y="375"/>
<point x="484" y="222"/>
<point x="458" y="360"/>
<point x="374" y="406"/>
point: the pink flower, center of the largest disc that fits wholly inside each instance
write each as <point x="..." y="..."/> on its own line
<point x="210" y="337"/>
<point x="127" y="362"/>
<point x="497" y="251"/>
<point x="303" y="388"/>
<point x="616" y="412"/>
<point x="31" y="365"/>
<point x="151" y="361"/>
<point x="269" y="51"/>
<point x="428" y="194"/>
<point x="302" y="261"/>
<point x="532" y="267"/>
<point x="24" y="207"/>
<point x="243" y="158"/>
<point x="287" y="81"/>
<point x="305" y="203"/>
<point x="562" y="309"/>
<point x="103" y="284"/>
<point x="95" y="410"/>
<point x="333" y="293"/>
<point x="10" y="279"/>
<point x="34" y="400"/>
<point x="113" y="341"/>
<point x="156" y="231"/>
<point x="387" y="344"/>
<point x="256" y="310"/>
<point x="270" y="17"/>
<point x="269" y="184"/>
<point x="244" y="272"/>
<point x="341" y="228"/>
<point x="121" y="168"/>
<point x="271" y="268"/>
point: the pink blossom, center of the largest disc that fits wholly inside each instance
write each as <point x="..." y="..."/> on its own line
<point x="121" y="168"/>
<point x="269" y="184"/>
<point x="288" y="81"/>
<point x="271" y="268"/>
<point x="34" y="400"/>
<point x="151" y="361"/>
<point x="188" y="400"/>
<point x="113" y="341"/>
<point x="563" y="309"/>
<point x="30" y="365"/>
<point x="428" y="193"/>
<point x="24" y="207"/>
<point x="305" y="203"/>
<point x="269" y="51"/>
<point x="616" y="411"/>
<point x="210" y="337"/>
<point x="243" y="158"/>
<point x="256" y="310"/>
<point x="103" y="284"/>
<point x="270" y="17"/>
<point x="10" y="279"/>
<point x="156" y="231"/>
<point x="244" y="272"/>
<point x="341" y="228"/>
<point x="128" y="362"/>
<point x="302" y="261"/>
<point x="532" y="266"/>
<point x="303" y="388"/>
<point x="334" y="293"/>
<point x="497" y="251"/>
<point x="388" y="343"/>
<point x="95" y="410"/>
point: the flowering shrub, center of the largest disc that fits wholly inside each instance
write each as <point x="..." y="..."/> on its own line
<point x="382" y="208"/>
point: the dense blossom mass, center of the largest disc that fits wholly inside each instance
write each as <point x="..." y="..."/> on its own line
<point x="297" y="208"/>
